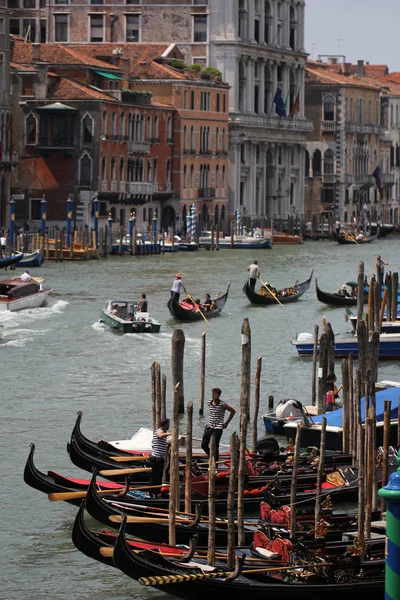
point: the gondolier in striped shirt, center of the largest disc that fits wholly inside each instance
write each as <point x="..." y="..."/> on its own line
<point x="159" y="452"/>
<point x="216" y="421"/>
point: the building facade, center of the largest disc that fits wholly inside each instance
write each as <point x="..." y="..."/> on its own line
<point x="257" y="45"/>
<point x="8" y="158"/>
<point x="348" y="170"/>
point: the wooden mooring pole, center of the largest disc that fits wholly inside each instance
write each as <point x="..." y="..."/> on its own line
<point x="177" y="356"/>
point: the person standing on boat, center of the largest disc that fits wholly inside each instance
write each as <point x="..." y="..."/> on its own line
<point x="143" y="303"/>
<point x="216" y="423"/>
<point x="177" y="286"/>
<point x="254" y="274"/>
<point x="159" y="453"/>
<point x="380" y="269"/>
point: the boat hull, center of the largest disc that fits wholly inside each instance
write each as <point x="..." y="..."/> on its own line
<point x="30" y="260"/>
<point x="256" y="298"/>
<point x="129" y="326"/>
<point x="388" y="348"/>
<point x="32" y="301"/>
<point x="7" y="261"/>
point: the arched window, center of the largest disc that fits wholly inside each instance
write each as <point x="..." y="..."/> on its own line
<point x="85" y="171"/>
<point x="2" y="70"/>
<point x="217" y="140"/>
<point x="351" y="114"/>
<point x="156" y="127"/>
<point x="316" y="163"/>
<point x="185" y="177"/>
<point x="223" y="178"/>
<point x="184" y="138"/>
<point x="122" y="126"/>
<point x="168" y="171"/>
<point x="192" y="138"/>
<point x="114" y="124"/>
<point x="148" y="170"/>
<point x="329" y="167"/>
<point x="103" y="169"/>
<point x="169" y="128"/>
<point x="307" y="164"/>
<point x="191" y="176"/>
<point x="293" y="29"/>
<point x="31" y="129"/>
<point x="121" y="169"/>
<point x="112" y="168"/>
<point x="104" y="123"/>
<point x="149" y="128"/>
<point x="329" y="108"/>
<point x="87" y="131"/>
<point x="268" y="23"/>
<point x="217" y="176"/>
<point x="223" y="145"/>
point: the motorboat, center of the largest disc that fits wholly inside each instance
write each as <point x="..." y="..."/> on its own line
<point x="125" y="316"/>
<point x="33" y="259"/>
<point x="389" y="346"/>
<point x="16" y="294"/>
<point x="258" y="240"/>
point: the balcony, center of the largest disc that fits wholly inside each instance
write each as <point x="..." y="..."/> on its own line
<point x="364" y="180"/>
<point x="8" y="160"/>
<point x="388" y="179"/>
<point x="385" y="136"/>
<point x="115" y="138"/>
<point x="205" y="152"/>
<point x="349" y="178"/>
<point x="328" y="126"/>
<point x="192" y="151"/>
<point x="138" y="147"/>
<point x="155" y="140"/>
<point x="55" y="143"/>
<point x="329" y="177"/>
<point x="206" y="193"/>
<point x="143" y="188"/>
<point x="123" y="138"/>
<point x="263" y="123"/>
<point x="104" y="186"/>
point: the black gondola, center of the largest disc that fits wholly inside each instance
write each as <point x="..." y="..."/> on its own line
<point x="348" y="238"/>
<point x="7" y="261"/>
<point x="345" y="578"/>
<point x="256" y="298"/>
<point x="337" y="299"/>
<point x="180" y="313"/>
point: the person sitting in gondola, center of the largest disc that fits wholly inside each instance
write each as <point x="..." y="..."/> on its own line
<point x="359" y="236"/>
<point x="207" y="302"/>
<point x="197" y="304"/>
<point x="342" y="291"/>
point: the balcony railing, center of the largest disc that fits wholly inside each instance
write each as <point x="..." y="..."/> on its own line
<point x="271" y="123"/>
<point x="140" y="187"/>
<point x="388" y="179"/>
<point x="329" y="177"/>
<point x="207" y="193"/>
<point x="138" y="147"/>
<point x="56" y="143"/>
<point x="364" y="180"/>
<point x="104" y="186"/>
<point x="328" y="126"/>
<point x="113" y="186"/>
<point x="8" y="159"/>
<point x="122" y="186"/>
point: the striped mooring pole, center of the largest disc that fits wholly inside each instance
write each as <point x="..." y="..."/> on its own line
<point x="193" y="224"/>
<point x="391" y="493"/>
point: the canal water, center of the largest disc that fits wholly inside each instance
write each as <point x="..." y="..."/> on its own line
<point x="60" y="359"/>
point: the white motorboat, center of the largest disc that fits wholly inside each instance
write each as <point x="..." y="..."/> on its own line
<point x="16" y="294"/>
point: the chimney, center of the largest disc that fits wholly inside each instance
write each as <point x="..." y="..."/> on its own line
<point x="332" y="60"/>
<point x="35" y="52"/>
<point x="345" y="68"/>
<point x="360" y="68"/>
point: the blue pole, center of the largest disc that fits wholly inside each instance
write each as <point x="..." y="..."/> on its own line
<point x="69" y="219"/>
<point x="391" y="493"/>
<point x="110" y="220"/>
<point x="132" y="223"/>
<point x="12" y="222"/>
<point x="43" y="217"/>
<point x="96" y="220"/>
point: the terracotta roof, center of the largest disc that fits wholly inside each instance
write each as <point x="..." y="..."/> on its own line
<point x="14" y="65"/>
<point x="321" y="75"/>
<point x="63" y="88"/>
<point x="57" y="54"/>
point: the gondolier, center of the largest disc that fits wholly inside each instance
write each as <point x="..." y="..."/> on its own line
<point x="216" y="424"/>
<point x="159" y="452"/>
<point x="177" y="285"/>
<point x="254" y="274"/>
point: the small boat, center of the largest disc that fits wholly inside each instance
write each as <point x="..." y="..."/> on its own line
<point x="125" y="316"/>
<point x="7" y="261"/>
<point x="386" y="327"/>
<point x="286" y="410"/>
<point x="389" y="346"/>
<point x="16" y="294"/>
<point x="188" y="246"/>
<point x="34" y="259"/>
<point x="285" y="295"/>
<point x="185" y="311"/>
<point x="348" y="238"/>
<point x="257" y="241"/>
<point x="336" y="299"/>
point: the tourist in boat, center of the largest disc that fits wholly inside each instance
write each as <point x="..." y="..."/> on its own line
<point x="359" y="237"/>
<point x="342" y="291"/>
<point x="254" y="274"/>
<point x="177" y="286"/>
<point x="159" y="453"/>
<point x="216" y="424"/>
<point x="26" y="276"/>
<point x="207" y="302"/>
<point x="116" y="310"/>
<point x="142" y="304"/>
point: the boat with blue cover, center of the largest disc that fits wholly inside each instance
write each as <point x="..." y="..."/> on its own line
<point x="389" y="346"/>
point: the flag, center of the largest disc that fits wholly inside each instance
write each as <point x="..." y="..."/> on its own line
<point x="280" y="108"/>
<point x="377" y="176"/>
<point x="296" y="106"/>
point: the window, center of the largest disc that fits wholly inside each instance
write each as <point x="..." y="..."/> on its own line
<point x="224" y="103"/>
<point x="169" y="128"/>
<point x="2" y="29"/>
<point x="329" y="108"/>
<point x="202" y="2"/>
<point x="133" y="1"/>
<point x="132" y="28"/>
<point x="61" y="1"/>
<point x="29" y="29"/>
<point x="36" y="209"/>
<point x="122" y="126"/>
<point x="185" y="176"/>
<point x="43" y="30"/>
<point x="192" y="138"/>
<point x="112" y="168"/>
<point x="200" y="28"/>
<point x="149" y="128"/>
<point x="13" y="3"/>
<point x="87" y="131"/>
<point x="30" y="130"/>
<point x="2" y="78"/>
<point x="328" y="162"/>
<point x="185" y="99"/>
<point x="114" y="125"/>
<point x="192" y="100"/>
<point x="29" y="3"/>
<point x="103" y="168"/>
<point x="218" y="103"/>
<point x="156" y="128"/>
<point x="121" y="169"/>
<point x="85" y="171"/>
<point x="96" y="28"/>
<point x="104" y="123"/>
<point x="61" y="28"/>
<point x="205" y="101"/>
<point x="27" y="84"/>
<point x="14" y="26"/>
<point x="96" y="1"/>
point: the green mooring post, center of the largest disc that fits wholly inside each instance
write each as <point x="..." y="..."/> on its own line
<point x="391" y="493"/>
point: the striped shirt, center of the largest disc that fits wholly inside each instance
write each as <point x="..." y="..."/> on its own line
<point x="216" y="414"/>
<point x="159" y="445"/>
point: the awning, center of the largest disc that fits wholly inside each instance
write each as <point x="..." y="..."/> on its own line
<point x="109" y="75"/>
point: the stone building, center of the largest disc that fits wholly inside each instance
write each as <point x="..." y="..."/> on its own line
<point x="8" y="158"/>
<point x="347" y="168"/>
<point x="257" y="45"/>
<point x="82" y="133"/>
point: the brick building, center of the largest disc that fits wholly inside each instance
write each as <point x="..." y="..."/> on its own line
<point x="346" y="104"/>
<point x="8" y="158"/>
<point x="83" y="131"/>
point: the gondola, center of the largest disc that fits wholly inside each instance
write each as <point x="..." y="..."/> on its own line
<point x="7" y="261"/>
<point x="256" y="298"/>
<point x="183" y="311"/>
<point x="189" y="581"/>
<point x="336" y="299"/>
<point x="350" y="239"/>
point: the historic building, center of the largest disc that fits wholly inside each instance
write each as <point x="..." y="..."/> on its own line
<point x="8" y="158"/>
<point x="83" y="131"/>
<point x="257" y="45"/>
<point x="348" y="160"/>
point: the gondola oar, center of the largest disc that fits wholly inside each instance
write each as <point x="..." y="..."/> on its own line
<point x="195" y="304"/>
<point x="112" y="472"/>
<point x="271" y="292"/>
<point x="352" y="239"/>
<point x="65" y="496"/>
